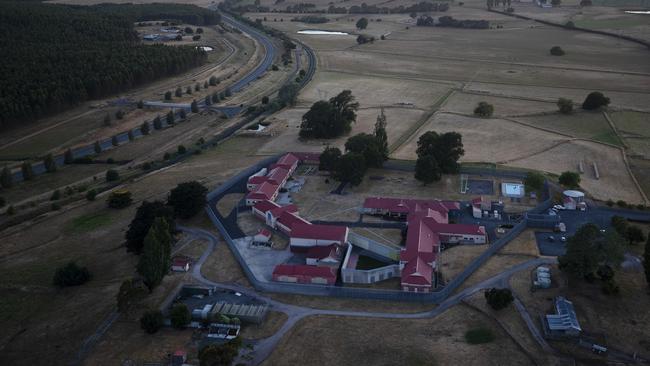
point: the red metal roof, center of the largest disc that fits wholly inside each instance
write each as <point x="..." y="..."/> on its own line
<point x="320" y="252"/>
<point x="277" y="175"/>
<point x="303" y="270"/>
<point x="417" y="272"/>
<point x="266" y="205"/>
<point x="277" y="212"/>
<point x="264" y="232"/>
<point x="320" y="232"/>
<point x="265" y="190"/>
<point x="421" y="242"/>
<point x="180" y="261"/>
<point x="456" y="229"/>
<point x="257" y="179"/>
<point x="288" y="160"/>
<point x="290" y="219"/>
<point x="307" y="156"/>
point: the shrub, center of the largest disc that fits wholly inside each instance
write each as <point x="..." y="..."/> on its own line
<point x="621" y="204"/>
<point x="55" y="206"/>
<point x="640" y="206"/>
<point x="570" y="24"/>
<point x="609" y="203"/>
<point x="91" y="194"/>
<point x="151" y="321"/>
<point x="71" y="275"/>
<point x="11" y="210"/>
<point x="187" y="199"/>
<point x="196" y="37"/>
<point x="213" y="80"/>
<point x="557" y="51"/>
<point x="479" y="336"/>
<point x="498" y="298"/>
<point x="56" y="195"/>
<point x="569" y="179"/>
<point x="144" y="128"/>
<point x="565" y="105"/>
<point x="181" y="149"/>
<point x="275" y="68"/>
<point x="146" y="166"/>
<point x="167" y="156"/>
<point x="112" y="175"/>
<point x="119" y="199"/>
<point x="119" y="114"/>
<point x="3" y="202"/>
<point x="484" y="109"/>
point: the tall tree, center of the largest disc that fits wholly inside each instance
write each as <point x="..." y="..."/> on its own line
<point x="68" y="157"/>
<point x="144" y="128"/>
<point x="329" y="159"/>
<point x="446" y="148"/>
<point x="26" y="169"/>
<point x="569" y="179"/>
<point x="187" y="199"/>
<point x="368" y="146"/>
<point x="351" y="168"/>
<point x="97" y="147"/>
<point x="155" y="259"/>
<point x="330" y="119"/>
<point x="362" y="23"/>
<point x="588" y="249"/>
<point x="427" y="169"/>
<point x="142" y="222"/>
<point x="381" y="135"/>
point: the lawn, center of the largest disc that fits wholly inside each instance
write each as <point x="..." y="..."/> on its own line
<point x="366" y="263"/>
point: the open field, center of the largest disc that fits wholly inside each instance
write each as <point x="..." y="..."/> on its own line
<point x="588" y="125"/>
<point x="439" y="341"/>
<point x="273" y="322"/>
<point x="465" y="103"/>
<point x="641" y="170"/>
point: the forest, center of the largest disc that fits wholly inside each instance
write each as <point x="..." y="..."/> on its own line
<point x="56" y="56"/>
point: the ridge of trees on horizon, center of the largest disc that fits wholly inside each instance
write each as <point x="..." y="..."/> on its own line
<point x="59" y="56"/>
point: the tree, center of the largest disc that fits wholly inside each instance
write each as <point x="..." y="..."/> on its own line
<point x="114" y="141"/>
<point x="556" y="2"/>
<point x="215" y="97"/>
<point x="56" y="195"/>
<point x="155" y="259"/>
<point x="287" y="94"/>
<point x="646" y="260"/>
<point x="26" y="169"/>
<point x="49" y="163"/>
<point x="265" y="100"/>
<point x="129" y="295"/>
<point x="6" y="178"/>
<point x="368" y="146"/>
<point x="182" y="114"/>
<point x="188" y="30"/>
<point x="112" y="175"/>
<point x="187" y="199"/>
<point x="205" y="84"/>
<point x="594" y="101"/>
<point x="565" y="105"/>
<point x="157" y="123"/>
<point x="68" y="157"/>
<point x="534" y="182"/>
<point x="130" y="135"/>
<point x="634" y="234"/>
<point x="427" y="169"/>
<point x="140" y="104"/>
<point x="220" y="354"/>
<point x="141" y="223"/>
<point x="188" y="90"/>
<point x="619" y="224"/>
<point x="228" y="92"/>
<point x="197" y="86"/>
<point x="170" y="118"/>
<point x="381" y="135"/>
<point x="152" y="321"/>
<point x="351" y="168"/>
<point x="446" y="148"/>
<point x="97" y="147"/>
<point x="168" y="95"/>
<point x="589" y="248"/>
<point x="119" y="199"/>
<point x="181" y="149"/>
<point x="498" y="298"/>
<point x="213" y="81"/>
<point x="107" y="120"/>
<point x="569" y="179"/>
<point x="362" y="23"/>
<point x="329" y="159"/>
<point x="180" y="316"/>
<point x="194" y="107"/>
<point x="330" y="119"/>
<point x="208" y="100"/>
<point x="71" y="275"/>
<point x="557" y="51"/>
<point x="196" y="37"/>
<point x="178" y="92"/>
<point x="484" y="109"/>
<point x="144" y="128"/>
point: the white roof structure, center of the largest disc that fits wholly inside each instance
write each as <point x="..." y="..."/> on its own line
<point x="512" y="189"/>
<point x="573" y="194"/>
<point x="565" y="319"/>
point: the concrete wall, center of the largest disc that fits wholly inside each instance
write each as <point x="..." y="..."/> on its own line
<point x="373" y="246"/>
<point x="370" y="276"/>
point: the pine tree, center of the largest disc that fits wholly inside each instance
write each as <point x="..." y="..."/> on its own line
<point x="380" y="134"/>
<point x="156" y="253"/>
<point x="49" y="163"/>
<point x="68" y="157"/>
<point x="28" y="172"/>
<point x="170" y="118"/>
<point x="130" y="135"/>
<point x="179" y="92"/>
<point x="6" y="178"/>
<point x="215" y="98"/>
<point x="195" y="107"/>
<point x="157" y="123"/>
<point x="205" y="85"/>
<point x="114" y="141"/>
<point x="208" y="100"/>
<point x="97" y="147"/>
<point x="182" y="114"/>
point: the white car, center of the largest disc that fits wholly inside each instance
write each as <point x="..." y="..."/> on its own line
<point x="563" y="238"/>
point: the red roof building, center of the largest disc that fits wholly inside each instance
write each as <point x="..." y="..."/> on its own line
<point x="304" y="274"/>
<point x="288" y="220"/>
<point x="180" y="264"/>
<point x="329" y="255"/>
<point x="264" y="192"/>
<point x="289" y="162"/>
<point x="417" y="276"/>
<point x="278" y="176"/>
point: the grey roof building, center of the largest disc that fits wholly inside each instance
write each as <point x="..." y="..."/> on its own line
<point x="565" y="321"/>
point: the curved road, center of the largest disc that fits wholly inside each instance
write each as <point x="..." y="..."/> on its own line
<point x="264" y="347"/>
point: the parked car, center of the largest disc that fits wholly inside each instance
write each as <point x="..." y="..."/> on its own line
<point x="563" y="239"/>
<point x="551" y="238"/>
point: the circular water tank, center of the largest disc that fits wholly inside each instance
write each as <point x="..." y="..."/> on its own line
<point x="574" y="194"/>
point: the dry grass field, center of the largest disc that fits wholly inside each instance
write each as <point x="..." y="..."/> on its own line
<point x="465" y="103"/>
<point x="354" y="341"/>
<point x="588" y="125"/>
<point x="618" y="320"/>
<point x="273" y="322"/>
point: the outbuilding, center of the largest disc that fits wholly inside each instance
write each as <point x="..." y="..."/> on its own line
<point x="180" y="264"/>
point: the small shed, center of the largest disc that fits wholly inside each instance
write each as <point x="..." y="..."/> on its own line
<point x="180" y="264"/>
<point x="179" y="357"/>
<point x="573" y="199"/>
<point x="262" y="236"/>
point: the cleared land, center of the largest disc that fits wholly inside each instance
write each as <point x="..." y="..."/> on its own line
<point x="439" y="341"/>
<point x="465" y="103"/>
